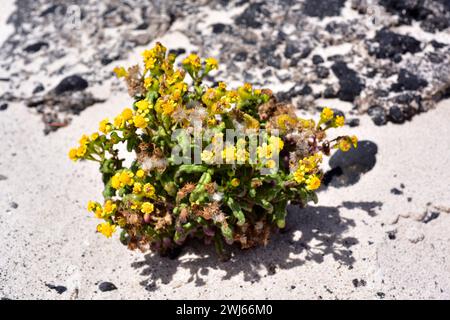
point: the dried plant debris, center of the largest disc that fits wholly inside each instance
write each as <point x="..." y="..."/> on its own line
<point x="391" y="59"/>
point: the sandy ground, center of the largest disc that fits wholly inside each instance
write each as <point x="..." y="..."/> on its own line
<point x="360" y="242"/>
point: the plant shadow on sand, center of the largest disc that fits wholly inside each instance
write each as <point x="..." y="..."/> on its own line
<point x="311" y="234"/>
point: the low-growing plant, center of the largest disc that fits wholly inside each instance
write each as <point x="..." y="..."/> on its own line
<point x="210" y="162"/>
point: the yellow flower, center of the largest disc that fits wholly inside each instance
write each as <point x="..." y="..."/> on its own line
<point x="168" y="107"/>
<point x="81" y="151"/>
<point x="218" y="137"/>
<point x="104" y="126"/>
<point x="241" y="155"/>
<point x="235" y="182"/>
<point x="326" y="115"/>
<point x="137" y="188"/>
<point x="84" y="139"/>
<point x="313" y="183"/>
<point x="119" y="122"/>
<point x="91" y="206"/>
<point x="139" y="121"/>
<point x="229" y="154"/>
<point x="99" y="214"/>
<point x="140" y="173"/>
<point x="264" y="151"/>
<point x="94" y="136"/>
<point x="339" y="121"/>
<point x="299" y="175"/>
<point x="344" y="145"/>
<point x="193" y="61"/>
<point x="143" y="105"/>
<point x="126" y="178"/>
<point x="211" y="63"/>
<point x="106" y="229"/>
<point x="73" y="154"/>
<point x="271" y="164"/>
<point x="354" y="141"/>
<point x="148" y="82"/>
<point x="147" y="207"/>
<point x="276" y="142"/>
<point x="127" y="114"/>
<point x="207" y="156"/>
<point x="212" y="121"/>
<point x="283" y="119"/>
<point x="115" y="181"/>
<point x="109" y="207"/>
<point x="120" y="72"/>
<point x="149" y="190"/>
<point x="149" y="59"/>
<point x="222" y="85"/>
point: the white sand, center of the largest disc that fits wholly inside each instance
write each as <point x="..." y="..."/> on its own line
<point x="6" y="29"/>
<point x="50" y="237"/>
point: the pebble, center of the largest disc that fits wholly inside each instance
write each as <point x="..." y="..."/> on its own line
<point x="430" y="216"/>
<point x="35" y="47"/>
<point x="107" y="286"/>
<point x="58" y="289"/>
<point x="316" y="59"/>
<point x="396" y="115"/>
<point x="378" y="115"/>
<point x="396" y="191"/>
<point x="353" y="122"/>
<point x="359" y="283"/>
<point x="392" y="234"/>
<point x="3" y="106"/>
<point x="38" y="88"/>
<point x="71" y="83"/>
<point x="322" y="72"/>
<point x="13" y="205"/>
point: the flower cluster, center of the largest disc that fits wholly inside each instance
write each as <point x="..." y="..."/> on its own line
<point x="160" y="201"/>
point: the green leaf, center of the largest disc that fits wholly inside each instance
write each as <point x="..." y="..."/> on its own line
<point x="226" y="231"/>
<point x="109" y="191"/>
<point x="237" y="211"/>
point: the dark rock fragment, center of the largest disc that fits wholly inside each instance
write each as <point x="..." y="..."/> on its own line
<point x="71" y="83"/>
<point x="408" y="81"/>
<point x="322" y="72"/>
<point x="35" y="47"/>
<point x="396" y="115"/>
<point x="396" y="191"/>
<point x="107" y="286"/>
<point x="349" y="82"/>
<point x="392" y="235"/>
<point x="38" y="88"/>
<point x="353" y="122"/>
<point x="240" y="56"/>
<point x="252" y="16"/>
<point x="58" y="289"/>
<point x="378" y="115"/>
<point x="316" y="59"/>
<point x="323" y="8"/>
<point x="391" y="45"/>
